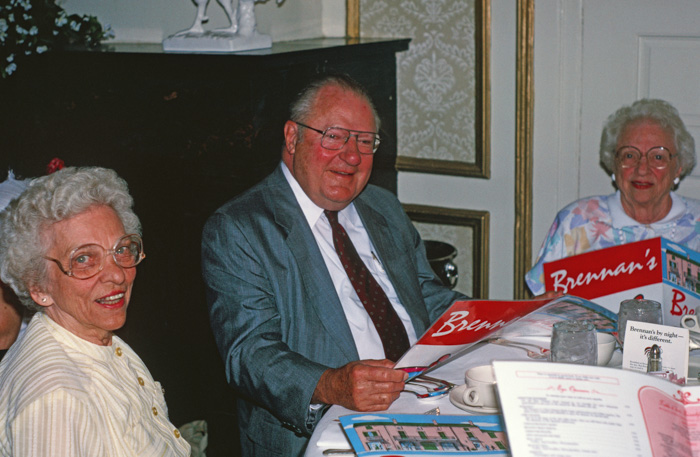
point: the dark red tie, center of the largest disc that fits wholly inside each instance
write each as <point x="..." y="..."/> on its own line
<point x="386" y="321"/>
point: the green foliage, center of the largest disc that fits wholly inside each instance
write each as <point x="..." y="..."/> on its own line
<point x="30" y="27"/>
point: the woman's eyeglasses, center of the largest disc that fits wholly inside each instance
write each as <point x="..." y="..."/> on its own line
<point x="658" y="157"/>
<point x="87" y="260"/>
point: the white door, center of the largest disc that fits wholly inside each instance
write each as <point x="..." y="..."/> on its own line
<point x="591" y="57"/>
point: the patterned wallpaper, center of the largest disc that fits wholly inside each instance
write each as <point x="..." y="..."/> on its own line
<point x="436" y="77"/>
<point x="436" y="93"/>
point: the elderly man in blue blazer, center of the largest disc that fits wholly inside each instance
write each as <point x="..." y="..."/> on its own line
<point x="294" y="335"/>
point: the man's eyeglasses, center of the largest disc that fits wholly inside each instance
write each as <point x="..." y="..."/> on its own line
<point x="87" y="260"/>
<point x="658" y="157"/>
<point x="335" y="138"/>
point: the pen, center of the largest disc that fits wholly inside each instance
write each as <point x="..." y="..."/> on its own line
<point x="379" y="264"/>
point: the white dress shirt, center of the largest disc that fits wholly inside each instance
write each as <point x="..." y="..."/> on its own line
<point x="367" y="341"/>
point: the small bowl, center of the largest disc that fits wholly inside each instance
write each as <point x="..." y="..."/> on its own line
<point x="606" y="347"/>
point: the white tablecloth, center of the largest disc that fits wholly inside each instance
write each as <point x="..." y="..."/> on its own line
<point x="329" y="435"/>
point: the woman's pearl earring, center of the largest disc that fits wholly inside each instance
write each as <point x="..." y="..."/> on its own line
<point x="43" y="300"/>
<point x="613" y="177"/>
<point x="677" y="180"/>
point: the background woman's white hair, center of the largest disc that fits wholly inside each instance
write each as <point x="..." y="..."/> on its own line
<point x="659" y="111"/>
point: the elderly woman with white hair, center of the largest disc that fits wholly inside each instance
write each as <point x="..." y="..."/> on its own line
<point x="69" y="246"/>
<point x="647" y="150"/>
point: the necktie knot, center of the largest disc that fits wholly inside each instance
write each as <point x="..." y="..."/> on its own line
<point x="332" y="216"/>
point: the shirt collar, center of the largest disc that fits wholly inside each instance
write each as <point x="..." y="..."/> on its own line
<point x="312" y="212"/>
<point x="621" y="219"/>
<point x="68" y="338"/>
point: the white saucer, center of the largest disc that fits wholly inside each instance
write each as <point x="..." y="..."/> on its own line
<point x="456" y="399"/>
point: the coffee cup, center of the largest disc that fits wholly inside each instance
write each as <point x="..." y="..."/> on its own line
<point x="606" y="347"/>
<point x="691" y="322"/>
<point x="481" y="387"/>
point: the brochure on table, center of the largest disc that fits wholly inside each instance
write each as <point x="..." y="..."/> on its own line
<point x="469" y="322"/>
<point x="554" y="409"/>
<point x="672" y="341"/>
<point x="383" y="434"/>
<point x="655" y="269"/>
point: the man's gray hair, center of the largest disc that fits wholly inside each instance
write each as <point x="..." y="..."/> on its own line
<point x="301" y="107"/>
<point x="659" y="111"/>
<point x="47" y="200"/>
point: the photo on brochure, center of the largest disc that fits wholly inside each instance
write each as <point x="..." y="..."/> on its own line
<point x="383" y="434"/>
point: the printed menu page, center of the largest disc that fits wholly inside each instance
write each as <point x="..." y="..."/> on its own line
<point x="553" y="409"/>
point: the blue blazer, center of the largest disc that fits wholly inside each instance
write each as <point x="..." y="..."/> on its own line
<point x="274" y="311"/>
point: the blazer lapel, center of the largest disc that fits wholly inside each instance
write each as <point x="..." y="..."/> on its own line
<point x="394" y="262"/>
<point x="315" y="278"/>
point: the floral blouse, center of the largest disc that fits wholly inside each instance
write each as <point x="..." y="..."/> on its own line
<point x="600" y="222"/>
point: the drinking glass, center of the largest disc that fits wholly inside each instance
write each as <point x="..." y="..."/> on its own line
<point x="574" y="342"/>
<point x="637" y="310"/>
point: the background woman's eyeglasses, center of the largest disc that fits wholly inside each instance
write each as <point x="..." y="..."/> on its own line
<point x="87" y="260"/>
<point x="658" y="157"/>
<point x="334" y="138"/>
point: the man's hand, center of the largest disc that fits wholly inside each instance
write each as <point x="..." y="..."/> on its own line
<point x="366" y="385"/>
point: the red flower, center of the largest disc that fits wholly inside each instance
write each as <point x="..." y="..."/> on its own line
<point x="55" y="165"/>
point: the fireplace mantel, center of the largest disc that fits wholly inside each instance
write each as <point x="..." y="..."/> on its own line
<point x="187" y="132"/>
<point x="137" y="100"/>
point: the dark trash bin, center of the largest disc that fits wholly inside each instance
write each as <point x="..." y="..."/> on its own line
<point x="441" y="256"/>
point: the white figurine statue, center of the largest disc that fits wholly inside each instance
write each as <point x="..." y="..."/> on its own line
<point x="240" y="35"/>
<point x="202" y="16"/>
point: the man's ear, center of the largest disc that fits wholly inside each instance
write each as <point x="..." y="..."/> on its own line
<point x="39" y="297"/>
<point x="291" y="135"/>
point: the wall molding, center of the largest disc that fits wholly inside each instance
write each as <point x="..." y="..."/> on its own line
<point x="522" y="246"/>
<point x="352" y="18"/>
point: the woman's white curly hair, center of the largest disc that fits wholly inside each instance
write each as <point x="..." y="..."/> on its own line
<point x="659" y="111"/>
<point x="47" y="200"/>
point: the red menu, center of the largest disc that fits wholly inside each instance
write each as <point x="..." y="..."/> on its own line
<point x="469" y="322"/>
<point x="655" y="269"/>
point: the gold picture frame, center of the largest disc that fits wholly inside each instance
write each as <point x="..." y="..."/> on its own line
<point x="352" y="18"/>
<point x="477" y="222"/>
<point x="524" y="120"/>
<point x="481" y="167"/>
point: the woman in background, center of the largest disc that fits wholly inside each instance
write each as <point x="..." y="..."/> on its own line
<point x="69" y="246"/>
<point x="12" y="321"/>
<point x="647" y="150"/>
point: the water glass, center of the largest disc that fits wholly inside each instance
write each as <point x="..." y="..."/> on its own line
<point x="574" y="342"/>
<point x="637" y="310"/>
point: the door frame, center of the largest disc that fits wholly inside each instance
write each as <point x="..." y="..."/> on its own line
<point x="525" y="88"/>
